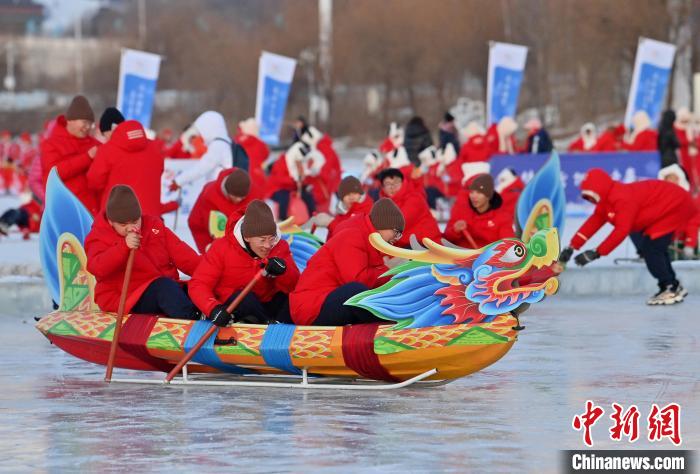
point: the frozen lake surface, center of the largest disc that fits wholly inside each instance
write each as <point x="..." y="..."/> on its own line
<point x="57" y="415"/>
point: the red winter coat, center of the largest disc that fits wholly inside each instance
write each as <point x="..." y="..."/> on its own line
<point x="510" y="195"/>
<point x="362" y="207"/>
<point x="347" y="257"/>
<point x="477" y="148"/>
<point x="419" y="219"/>
<point x="280" y="178"/>
<point x="610" y="140"/>
<point x="326" y="183"/>
<point x="228" y="267"/>
<point x="646" y="140"/>
<point x="494" y="224"/>
<point x="493" y="142"/>
<point x="257" y="152"/>
<point x="161" y="254"/>
<point x="653" y="207"/>
<point x="132" y="159"/>
<point x="35" y="210"/>
<point x="212" y="198"/>
<point x="69" y="155"/>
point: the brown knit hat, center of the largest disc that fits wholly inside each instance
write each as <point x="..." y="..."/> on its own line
<point x="349" y="185"/>
<point x="79" y="108"/>
<point x="386" y="215"/>
<point x="484" y="184"/>
<point x="122" y="205"/>
<point x="258" y="220"/>
<point x="237" y="183"/>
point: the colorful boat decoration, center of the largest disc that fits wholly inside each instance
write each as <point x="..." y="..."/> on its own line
<point x="542" y="204"/>
<point x="458" y="342"/>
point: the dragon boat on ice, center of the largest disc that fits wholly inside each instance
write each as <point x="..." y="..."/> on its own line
<point x="450" y="312"/>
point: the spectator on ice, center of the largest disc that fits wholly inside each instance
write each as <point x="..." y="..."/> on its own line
<point x="668" y="142"/>
<point x="448" y="132"/>
<point x="500" y="137"/>
<point x="689" y="236"/>
<point x="586" y="140"/>
<point x="642" y="137"/>
<point x="257" y="152"/>
<point x="538" y="140"/>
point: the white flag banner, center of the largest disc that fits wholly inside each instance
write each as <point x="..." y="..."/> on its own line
<point x="652" y="71"/>
<point x="138" y="75"/>
<point x="275" y="75"/>
<point x="505" y="76"/>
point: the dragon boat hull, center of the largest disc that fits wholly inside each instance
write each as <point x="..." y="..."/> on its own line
<point x="364" y="351"/>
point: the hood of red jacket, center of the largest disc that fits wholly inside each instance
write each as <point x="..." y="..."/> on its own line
<point x="130" y="136"/>
<point x="598" y="181"/>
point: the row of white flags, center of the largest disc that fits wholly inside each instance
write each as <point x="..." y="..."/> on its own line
<point x="506" y="69"/>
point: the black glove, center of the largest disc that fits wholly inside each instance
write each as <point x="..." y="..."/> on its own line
<point x="566" y="254"/>
<point x="219" y="316"/>
<point x="586" y="257"/>
<point x="275" y="267"/>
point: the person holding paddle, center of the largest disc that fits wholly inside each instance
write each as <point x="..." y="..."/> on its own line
<point x="250" y="244"/>
<point x="155" y="286"/>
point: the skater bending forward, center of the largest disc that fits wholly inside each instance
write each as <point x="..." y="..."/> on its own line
<point x="345" y="266"/>
<point x="650" y="212"/>
<point x="154" y="287"/>
<point x="250" y="244"/>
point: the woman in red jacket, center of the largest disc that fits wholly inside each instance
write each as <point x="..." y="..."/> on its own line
<point x="478" y="213"/>
<point x="154" y="286"/>
<point x="70" y="148"/>
<point x="352" y="201"/>
<point x="345" y="266"/>
<point x="414" y="207"/>
<point x="653" y="210"/>
<point x="229" y="194"/>
<point x="250" y="244"/>
<point x="257" y="152"/>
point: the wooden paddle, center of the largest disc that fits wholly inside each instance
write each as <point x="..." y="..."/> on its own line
<point x="120" y="316"/>
<point x="469" y="238"/>
<point x="234" y="304"/>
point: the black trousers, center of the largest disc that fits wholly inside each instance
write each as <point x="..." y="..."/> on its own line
<point x="433" y="194"/>
<point x="252" y="310"/>
<point x="655" y="255"/>
<point x="166" y="296"/>
<point x="281" y="197"/>
<point x="19" y="217"/>
<point x="335" y="313"/>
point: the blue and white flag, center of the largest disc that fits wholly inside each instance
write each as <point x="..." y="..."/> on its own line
<point x="275" y="74"/>
<point x="505" y="75"/>
<point x="652" y="71"/>
<point x="138" y="75"/>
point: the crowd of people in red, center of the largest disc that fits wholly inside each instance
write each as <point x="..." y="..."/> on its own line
<point x="117" y="174"/>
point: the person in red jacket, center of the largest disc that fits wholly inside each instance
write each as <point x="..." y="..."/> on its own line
<point x="649" y="211"/>
<point x="352" y="201"/>
<point x="71" y="148"/>
<point x="326" y="182"/>
<point x="159" y="254"/>
<point x="257" y="152"/>
<point x="346" y="265"/>
<point x="228" y="194"/>
<point x="586" y="141"/>
<point x="643" y="137"/>
<point x="610" y="139"/>
<point x="26" y="217"/>
<point x="689" y="235"/>
<point x="250" y="244"/>
<point x="109" y="120"/>
<point x="129" y="158"/>
<point x="414" y="208"/>
<point x="510" y="187"/>
<point x="478" y="217"/>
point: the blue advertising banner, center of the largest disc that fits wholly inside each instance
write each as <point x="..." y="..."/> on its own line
<point x="275" y="75"/>
<point x="625" y="167"/>
<point x="138" y="76"/>
<point x="505" y="76"/>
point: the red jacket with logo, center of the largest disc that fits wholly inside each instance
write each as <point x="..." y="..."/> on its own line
<point x="228" y="267"/>
<point x="69" y="155"/>
<point x="212" y="198"/>
<point x="161" y="254"/>
<point x="653" y="207"/>
<point x="132" y="159"/>
<point x="362" y="207"/>
<point x="419" y="219"/>
<point x="494" y="224"/>
<point x="347" y="257"/>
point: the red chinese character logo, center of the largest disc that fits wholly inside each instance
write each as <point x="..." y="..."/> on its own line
<point x="627" y="423"/>
<point x="665" y="423"/>
<point x="587" y="420"/>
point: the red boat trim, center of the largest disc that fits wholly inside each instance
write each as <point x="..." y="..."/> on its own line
<point x="358" y="352"/>
<point x="134" y="336"/>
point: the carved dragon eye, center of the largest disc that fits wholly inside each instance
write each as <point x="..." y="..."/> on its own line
<point x="513" y="254"/>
